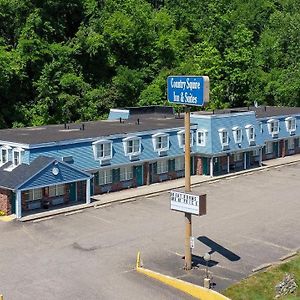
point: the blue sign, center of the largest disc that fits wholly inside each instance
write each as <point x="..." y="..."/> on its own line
<point x="188" y="90"/>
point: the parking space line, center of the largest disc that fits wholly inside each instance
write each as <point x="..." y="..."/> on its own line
<point x="267" y="243"/>
<point x="99" y="218"/>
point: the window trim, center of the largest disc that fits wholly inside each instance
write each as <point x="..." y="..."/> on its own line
<point x="248" y="129"/>
<point x="128" y="174"/>
<point x="221" y="132"/>
<point x="102" y="142"/>
<point x="165" y="169"/>
<point x="291" y="142"/>
<point x="180" y="140"/>
<point x="5" y="148"/>
<point x="155" y="141"/>
<point x="270" y="122"/>
<point x="234" y="131"/>
<point x="125" y="145"/>
<point x="179" y="162"/>
<point x="19" y="151"/>
<point x="204" y="132"/>
<point x="56" y="186"/>
<point x="105" y="177"/>
<point x="287" y="120"/>
<point x="267" y="148"/>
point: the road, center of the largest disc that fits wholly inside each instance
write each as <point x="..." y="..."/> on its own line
<point x="252" y="220"/>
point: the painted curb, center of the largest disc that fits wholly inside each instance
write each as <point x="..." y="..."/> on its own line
<point x="194" y="290"/>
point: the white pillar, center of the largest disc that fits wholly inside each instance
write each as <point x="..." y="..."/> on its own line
<point x="245" y="160"/>
<point x="211" y="167"/>
<point x="260" y="157"/>
<point x="88" y="191"/>
<point x="18" y="205"/>
<point x="228" y="161"/>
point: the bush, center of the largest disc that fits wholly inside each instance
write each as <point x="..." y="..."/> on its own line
<point x="2" y="213"/>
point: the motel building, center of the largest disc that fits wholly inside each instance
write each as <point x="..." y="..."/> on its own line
<point x="53" y="166"/>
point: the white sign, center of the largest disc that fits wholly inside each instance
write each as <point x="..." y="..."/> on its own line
<point x="185" y="202"/>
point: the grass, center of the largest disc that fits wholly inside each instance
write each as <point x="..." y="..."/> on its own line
<point x="262" y="285"/>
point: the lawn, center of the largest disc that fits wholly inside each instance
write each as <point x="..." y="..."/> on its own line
<point x="262" y="285"/>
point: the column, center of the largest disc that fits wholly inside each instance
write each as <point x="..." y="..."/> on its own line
<point x="228" y="162"/>
<point x="88" y="191"/>
<point x="260" y="157"/>
<point x="211" y="167"/>
<point x="245" y="160"/>
<point x="18" y="205"/>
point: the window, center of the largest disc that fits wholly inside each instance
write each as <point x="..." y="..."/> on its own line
<point x="273" y="126"/>
<point x="255" y="152"/>
<point x="269" y="147"/>
<point x="261" y="127"/>
<point x="237" y="134"/>
<point x="16" y="157"/>
<point x="181" y="138"/>
<point x="160" y="142"/>
<point x="290" y="124"/>
<point x="105" y="176"/>
<point x="250" y="130"/>
<point x="238" y="156"/>
<point x="56" y="190"/>
<point x="102" y="150"/>
<point x="126" y="173"/>
<point x="179" y="163"/>
<point x="223" y="137"/>
<point x="132" y="146"/>
<point x="32" y="195"/>
<point x="291" y="144"/>
<point x="201" y="137"/>
<point x="162" y="166"/>
<point x="4" y="155"/>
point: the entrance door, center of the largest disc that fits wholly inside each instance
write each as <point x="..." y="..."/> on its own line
<point x="138" y="175"/>
<point x="275" y="149"/>
<point x="73" y="196"/>
<point x="204" y="166"/>
<point x="13" y="202"/>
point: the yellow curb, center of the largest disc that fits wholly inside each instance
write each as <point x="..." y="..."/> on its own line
<point x="186" y="287"/>
<point x="6" y="219"/>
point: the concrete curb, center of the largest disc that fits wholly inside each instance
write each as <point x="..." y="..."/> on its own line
<point x="194" y="290"/>
<point x="99" y="203"/>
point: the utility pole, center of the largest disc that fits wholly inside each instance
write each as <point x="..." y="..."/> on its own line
<point x="188" y="216"/>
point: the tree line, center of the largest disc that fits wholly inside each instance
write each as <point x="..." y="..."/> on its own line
<point x="68" y="61"/>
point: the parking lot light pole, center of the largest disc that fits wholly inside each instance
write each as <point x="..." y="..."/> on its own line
<point x="188" y="216"/>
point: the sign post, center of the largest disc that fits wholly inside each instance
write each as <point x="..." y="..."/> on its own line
<point x="188" y="90"/>
<point x="187" y="188"/>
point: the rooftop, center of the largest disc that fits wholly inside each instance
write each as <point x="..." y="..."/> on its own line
<point x="64" y="132"/>
<point x="260" y="111"/>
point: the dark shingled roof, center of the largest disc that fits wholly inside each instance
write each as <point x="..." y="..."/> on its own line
<point x="260" y="111"/>
<point x="52" y="133"/>
<point x="23" y="172"/>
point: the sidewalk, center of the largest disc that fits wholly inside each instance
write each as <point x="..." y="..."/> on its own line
<point x="157" y="188"/>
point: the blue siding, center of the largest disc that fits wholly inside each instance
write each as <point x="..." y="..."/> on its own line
<point x="83" y="155"/>
<point x="214" y="123"/>
<point x="283" y="133"/>
<point x="45" y="177"/>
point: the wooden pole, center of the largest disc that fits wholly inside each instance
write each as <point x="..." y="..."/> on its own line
<point x="188" y="216"/>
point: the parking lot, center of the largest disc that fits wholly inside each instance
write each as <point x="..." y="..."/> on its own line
<point x="252" y="219"/>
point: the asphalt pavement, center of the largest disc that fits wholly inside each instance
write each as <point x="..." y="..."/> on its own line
<point x="252" y="219"/>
